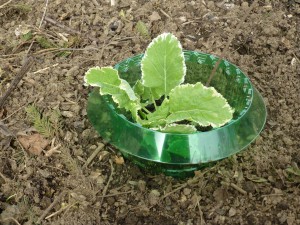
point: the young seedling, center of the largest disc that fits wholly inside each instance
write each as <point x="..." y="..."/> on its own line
<point x="160" y="100"/>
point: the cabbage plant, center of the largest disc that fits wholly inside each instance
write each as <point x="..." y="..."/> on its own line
<point x="160" y="100"/>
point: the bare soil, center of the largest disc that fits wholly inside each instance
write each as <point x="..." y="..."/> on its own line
<point x="257" y="186"/>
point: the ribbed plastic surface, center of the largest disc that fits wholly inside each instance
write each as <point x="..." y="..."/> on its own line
<point x="180" y="154"/>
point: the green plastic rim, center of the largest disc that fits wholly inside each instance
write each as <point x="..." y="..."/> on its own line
<point x="181" y="154"/>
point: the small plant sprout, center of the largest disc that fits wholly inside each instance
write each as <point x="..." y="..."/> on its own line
<point x="160" y="100"/>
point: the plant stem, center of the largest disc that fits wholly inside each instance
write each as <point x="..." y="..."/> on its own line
<point x="153" y="100"/>
<point x="146" y="110"/>
<point x="143" y="115"/>
<point x="229" y="42"/>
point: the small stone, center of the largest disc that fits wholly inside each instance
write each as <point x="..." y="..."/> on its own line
<point x="78" y="152"/>
<point x="83" y="112"/>
<point x="154" y="16"/>
<point x="75" y="108"/>
<point x="287" y="141"/>
<point x="68" y="136"/>
<point x="142" y="185"/>
<point x="290" y="220"/>
<point x="86" y="133"/>
<point x="209" y="16"/>
<point x="182" y="19"/>
<point x="44" y="173"/>
<point x="186" y="191"/>
<point x="210" y="4"/>
<point x="268" y="7"/>
<point x="155" y="192"/>
<point x="154" y="197"/>
<point x="192" y="3"/>
<point x="231" y="212"/>
<point x="228" y="6"/>
<point x="67" y="114"/>
<point x="183" y="198"/>
<point x="245" y="5"/>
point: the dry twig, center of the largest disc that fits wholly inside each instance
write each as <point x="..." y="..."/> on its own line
<point x="6" y="180"/>
<point x="173" y="191"/>
<point x="202" y="221"/>
<point x="239" y="189"/>
<point x="53" y="149"/>
<point x="56" y="200"/>
<point x="13" y="113"/>
<point x="108" y="182"/>
<point x="6" y="3"/>
<point x="93" y="155"/>
<point x="60" y="25"/>
<point x="40" y="25"/>
<point x="13" y="219"/>
<point x="24" y="69"/>
<point x="115" y="194"/>
<point x="166" y="14"/>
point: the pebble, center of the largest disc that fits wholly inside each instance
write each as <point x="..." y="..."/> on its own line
<point x="86" y="133"/>
<point x="186" y="191"/>
<point x="68" y="136"/>
<point x="182" y="19"/>
<point x="78" y="152"/>
<point x="210" y="4"/>
<point x="67" y="114"/>
<point x="268" y="7"/>
<point x="141" y="185"/>
<point x="228" y="6"/>
<point x="245" y="5"/>
<point x="154" y="197"/>
<point x="287" y="141"/>
<point x="232" y="212"/>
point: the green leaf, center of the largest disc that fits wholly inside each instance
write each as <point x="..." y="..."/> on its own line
<point x="257" y="179"/>
<point x="158" y="117"/>
<point x="197" y="103"/>
<point x="44" y="42"/>
<point x="27" y="36"/>
<point x="179" y="128"/>
<point x="163" y="66"/>
<point x="293" y="170"/>
<point x="177" y="149"/>
<point x="142" y="91"/>
<point x="110" y="83"/>
<point x="142" y="29"/>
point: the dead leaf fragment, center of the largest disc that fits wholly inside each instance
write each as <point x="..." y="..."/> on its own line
<point x="154" y="16"/>
<point x="4" y="130"/>
<point x="119" y="160"/>
<point x="34" y="143"/>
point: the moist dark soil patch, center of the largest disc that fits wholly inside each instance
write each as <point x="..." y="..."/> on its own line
<point x="257" y="186"/>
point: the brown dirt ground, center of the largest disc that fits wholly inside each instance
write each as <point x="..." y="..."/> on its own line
<point x="257" y="186"/>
